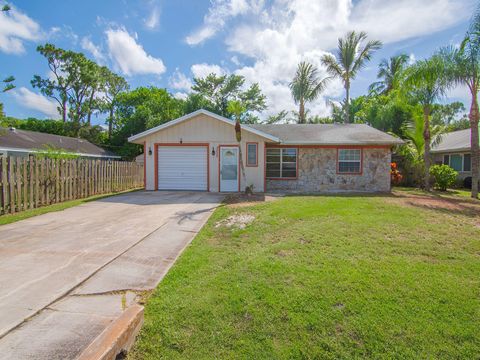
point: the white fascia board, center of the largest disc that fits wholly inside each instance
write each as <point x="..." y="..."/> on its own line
<point x="193" y="114"/>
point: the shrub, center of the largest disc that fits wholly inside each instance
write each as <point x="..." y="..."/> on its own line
<point x="444" y="176"/>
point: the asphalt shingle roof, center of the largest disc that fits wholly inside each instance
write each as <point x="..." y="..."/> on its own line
<point x="454" y="141"/>
<point x="328" y="134"/>
<point x="32" y="140"/>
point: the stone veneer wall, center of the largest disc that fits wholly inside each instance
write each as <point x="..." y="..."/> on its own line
<point x="317" y="172"/>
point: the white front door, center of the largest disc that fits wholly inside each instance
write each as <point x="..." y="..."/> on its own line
<point x="229" y="169"/>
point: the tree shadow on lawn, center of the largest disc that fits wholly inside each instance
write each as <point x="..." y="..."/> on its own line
<point x="443" y="203"/>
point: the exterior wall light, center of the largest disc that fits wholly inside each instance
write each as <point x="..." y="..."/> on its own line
<point x="149" y="150"/>
<point x="213" y="151"/>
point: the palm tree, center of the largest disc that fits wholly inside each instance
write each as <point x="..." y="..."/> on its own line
<point x="427" y="83"/>
<point x="305" y="87"/>
<point x="352" y="55"/>
<point x="389" y="72"/>
<point x="236" y="108"/>
<point x="463" y="68"/>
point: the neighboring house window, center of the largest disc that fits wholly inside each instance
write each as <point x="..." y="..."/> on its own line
<point x="349" y="161"/>
<point x="467" y="162"/>
<point x="458" y="162"/>
<point x="252" y="154"/>
<point x="282" y="163"/>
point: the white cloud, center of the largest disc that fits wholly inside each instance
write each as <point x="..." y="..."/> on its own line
<point x="411" y="59"/>
<point x="89" y="46"/>
<point x="16" y="28"/>
<point x="180" y="81"/>
<point x="219" y="13"/>
<point x="37" y="102"/>
<point x="277" y="35"/>
<point x="180" y="95"/>
<point x="202" y="70"/>
<point x="153" y="20"/>
<point x="129" y="56"/>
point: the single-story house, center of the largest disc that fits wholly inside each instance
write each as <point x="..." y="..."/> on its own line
<point x="454" y="149"/>
<point x="199" y="151"/>
<point x="16" y="142"/>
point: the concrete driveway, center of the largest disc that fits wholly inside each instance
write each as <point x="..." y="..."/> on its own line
<point x="64" y="276"/>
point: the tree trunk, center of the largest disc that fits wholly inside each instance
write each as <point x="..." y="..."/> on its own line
<point x="110" y="123"/>
<point x="64" y="111"/>
<point x="242" y="168"/>
<point x="347" y="103"/>
<point x="475" y="157"/>
<point x="301" y="112"/>
<point x="426" y="151"/>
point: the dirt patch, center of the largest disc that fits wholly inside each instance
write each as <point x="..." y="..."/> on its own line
<point x="241" y="200"/>
<point x="454" y="205"/>
<point x="239" y="221"/>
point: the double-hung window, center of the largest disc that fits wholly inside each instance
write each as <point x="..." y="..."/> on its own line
<point x="282" y="163"/>
<point x="349" y="161"/>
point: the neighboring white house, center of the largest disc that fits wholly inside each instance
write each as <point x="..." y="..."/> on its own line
<point x="199" y="152"/>
<point x="454" y="150"/>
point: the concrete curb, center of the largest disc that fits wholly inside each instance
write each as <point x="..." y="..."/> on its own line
<point x="118" y="336"/>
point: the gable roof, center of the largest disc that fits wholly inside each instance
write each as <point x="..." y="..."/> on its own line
<point x="328" y="134"/>
<point x="196" y="113"/>
<point x="30" y="141"/>
<point x="454" y="141"/>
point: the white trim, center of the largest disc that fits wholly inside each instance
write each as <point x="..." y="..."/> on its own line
<point x="29" y="151"/>
<point x="397" y="142"/>
<point x="195" y="113"/>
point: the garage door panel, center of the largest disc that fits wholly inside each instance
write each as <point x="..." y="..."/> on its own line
<point x="182" y="168"/>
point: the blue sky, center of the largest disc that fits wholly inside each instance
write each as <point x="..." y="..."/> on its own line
<point x="165" y="43"/>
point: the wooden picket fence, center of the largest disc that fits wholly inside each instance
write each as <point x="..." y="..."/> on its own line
<point x="32" y="182"/>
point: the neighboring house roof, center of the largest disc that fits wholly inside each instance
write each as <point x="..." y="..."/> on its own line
<point x="328" y="134"/>
<point x="31" y="141"/>
<point x="454" y="141"/>
<point x="193" y="114"/>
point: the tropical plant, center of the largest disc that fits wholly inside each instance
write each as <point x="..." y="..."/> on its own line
<point x="463" y="68"/>
<point x="389" y="71"/>
<point x="306" y="86"/>
<point x="236" y="108"/>
<point x="352" y="54"/>
<point x="444" y="176"/>
<point x="426" y="82"/>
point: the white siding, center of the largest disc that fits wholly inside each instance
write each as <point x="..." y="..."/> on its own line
<point x="206" y="130"/>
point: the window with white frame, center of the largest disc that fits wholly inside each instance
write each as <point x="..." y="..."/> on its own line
<point x="458" y="162"/>
<point x="281" y="163"/>
<point x="349" y="161"/>
<point x="252" y="154"/>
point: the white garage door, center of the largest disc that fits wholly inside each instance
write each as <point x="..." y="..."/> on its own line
<point x="182" y="168"/>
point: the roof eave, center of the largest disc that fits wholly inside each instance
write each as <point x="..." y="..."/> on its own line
<point x="377" y="143"/>
<point x="134" y="138"/>
<point x="3" y="148"/>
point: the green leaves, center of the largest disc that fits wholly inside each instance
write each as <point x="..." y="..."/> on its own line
<point x="214" y="92"/>
<point x="306" y="86"/>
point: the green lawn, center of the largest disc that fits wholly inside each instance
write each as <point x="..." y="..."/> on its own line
<point x="323" y="277"/>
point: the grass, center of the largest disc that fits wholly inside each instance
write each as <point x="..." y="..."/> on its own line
<point x="10" y="218"/>
<point x="324" y="277"/>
